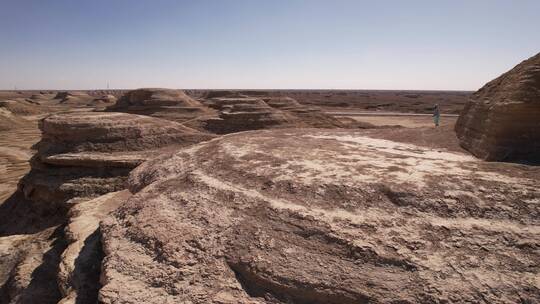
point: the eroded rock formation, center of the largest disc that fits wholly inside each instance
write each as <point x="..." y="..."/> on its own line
<point x="73" y="98"/>
<point x="243" y="114"/>
<point x="20" y="107"/>
<point x="78" y="173"/>
<point x="307" y="115"/>
<point x="103" y="101"/>
<point x="80" y="263"/>
<point x="501" y="120"/>
<point x="323" y="216"/>
<point x="238" y="114"/>
<point x="162" y="103"/>
<point x="88" y="154"/>
<point x="8" y="120"/>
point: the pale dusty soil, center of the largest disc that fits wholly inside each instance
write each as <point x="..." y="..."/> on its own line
<point x="404" y="121"/>
<point x="325" y="216"/>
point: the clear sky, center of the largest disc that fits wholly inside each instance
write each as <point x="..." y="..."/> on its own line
<point x="333" y="44"/>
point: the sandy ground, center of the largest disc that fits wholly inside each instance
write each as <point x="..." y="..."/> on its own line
<point x="404" y="121"/>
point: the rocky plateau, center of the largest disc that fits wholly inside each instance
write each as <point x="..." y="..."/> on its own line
<point x="251" y="196"/>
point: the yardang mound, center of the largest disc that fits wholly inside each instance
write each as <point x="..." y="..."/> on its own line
<point x="252" y="113"/>
<point x="501" y="120"/>
<point x="163" y="103"/>
<point x="80" y="157"/>
<point x="323" y="216"/>
<point x="87" y="154"/>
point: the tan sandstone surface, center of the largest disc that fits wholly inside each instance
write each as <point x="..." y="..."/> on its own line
<point x="169" y="104"/>
<point x="244" y="113"/>
<point x="324" y="216"/>
<point x="501" y="121"/>
<point x="84" y="154"/>
<point x="49" y="244"/>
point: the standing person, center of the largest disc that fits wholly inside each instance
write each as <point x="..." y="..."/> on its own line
<point x="436" y="115"/>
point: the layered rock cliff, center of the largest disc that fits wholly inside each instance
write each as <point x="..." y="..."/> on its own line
<point x="169" y="104"/>
<point x="238" y="114"/>
<point x="501" y="120"/>
<point x="88" y="154"/>
<point x="77" y="177"/>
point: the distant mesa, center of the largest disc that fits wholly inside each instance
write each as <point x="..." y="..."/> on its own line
<point x="238" y="114"/>
<point x="309" y="115"/>
<point x="226" y="103"/>
<point x="284" y="103"/>
<point x="75" y="98"/>
<point x="501" y="120"/>
<point x="36" y="96"/>
<point x="233" y="93"/>
<point x="156" y="97"/>
<point x="228" y="111"/>
<point x="243" y="114"/>
<point x="169" y="104"/>
<point x="103" y="101"/>
<point x="62" y="95"/>
<point x="222" y="93"/>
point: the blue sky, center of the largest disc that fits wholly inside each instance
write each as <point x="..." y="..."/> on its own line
<point x="454" y="45"/>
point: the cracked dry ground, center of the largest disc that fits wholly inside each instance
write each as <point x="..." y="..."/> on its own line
<point x="325" y="216"/>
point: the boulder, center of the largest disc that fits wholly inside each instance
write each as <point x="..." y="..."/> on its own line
<point x="501" y="121"/>
<point x="323" y="216"/>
